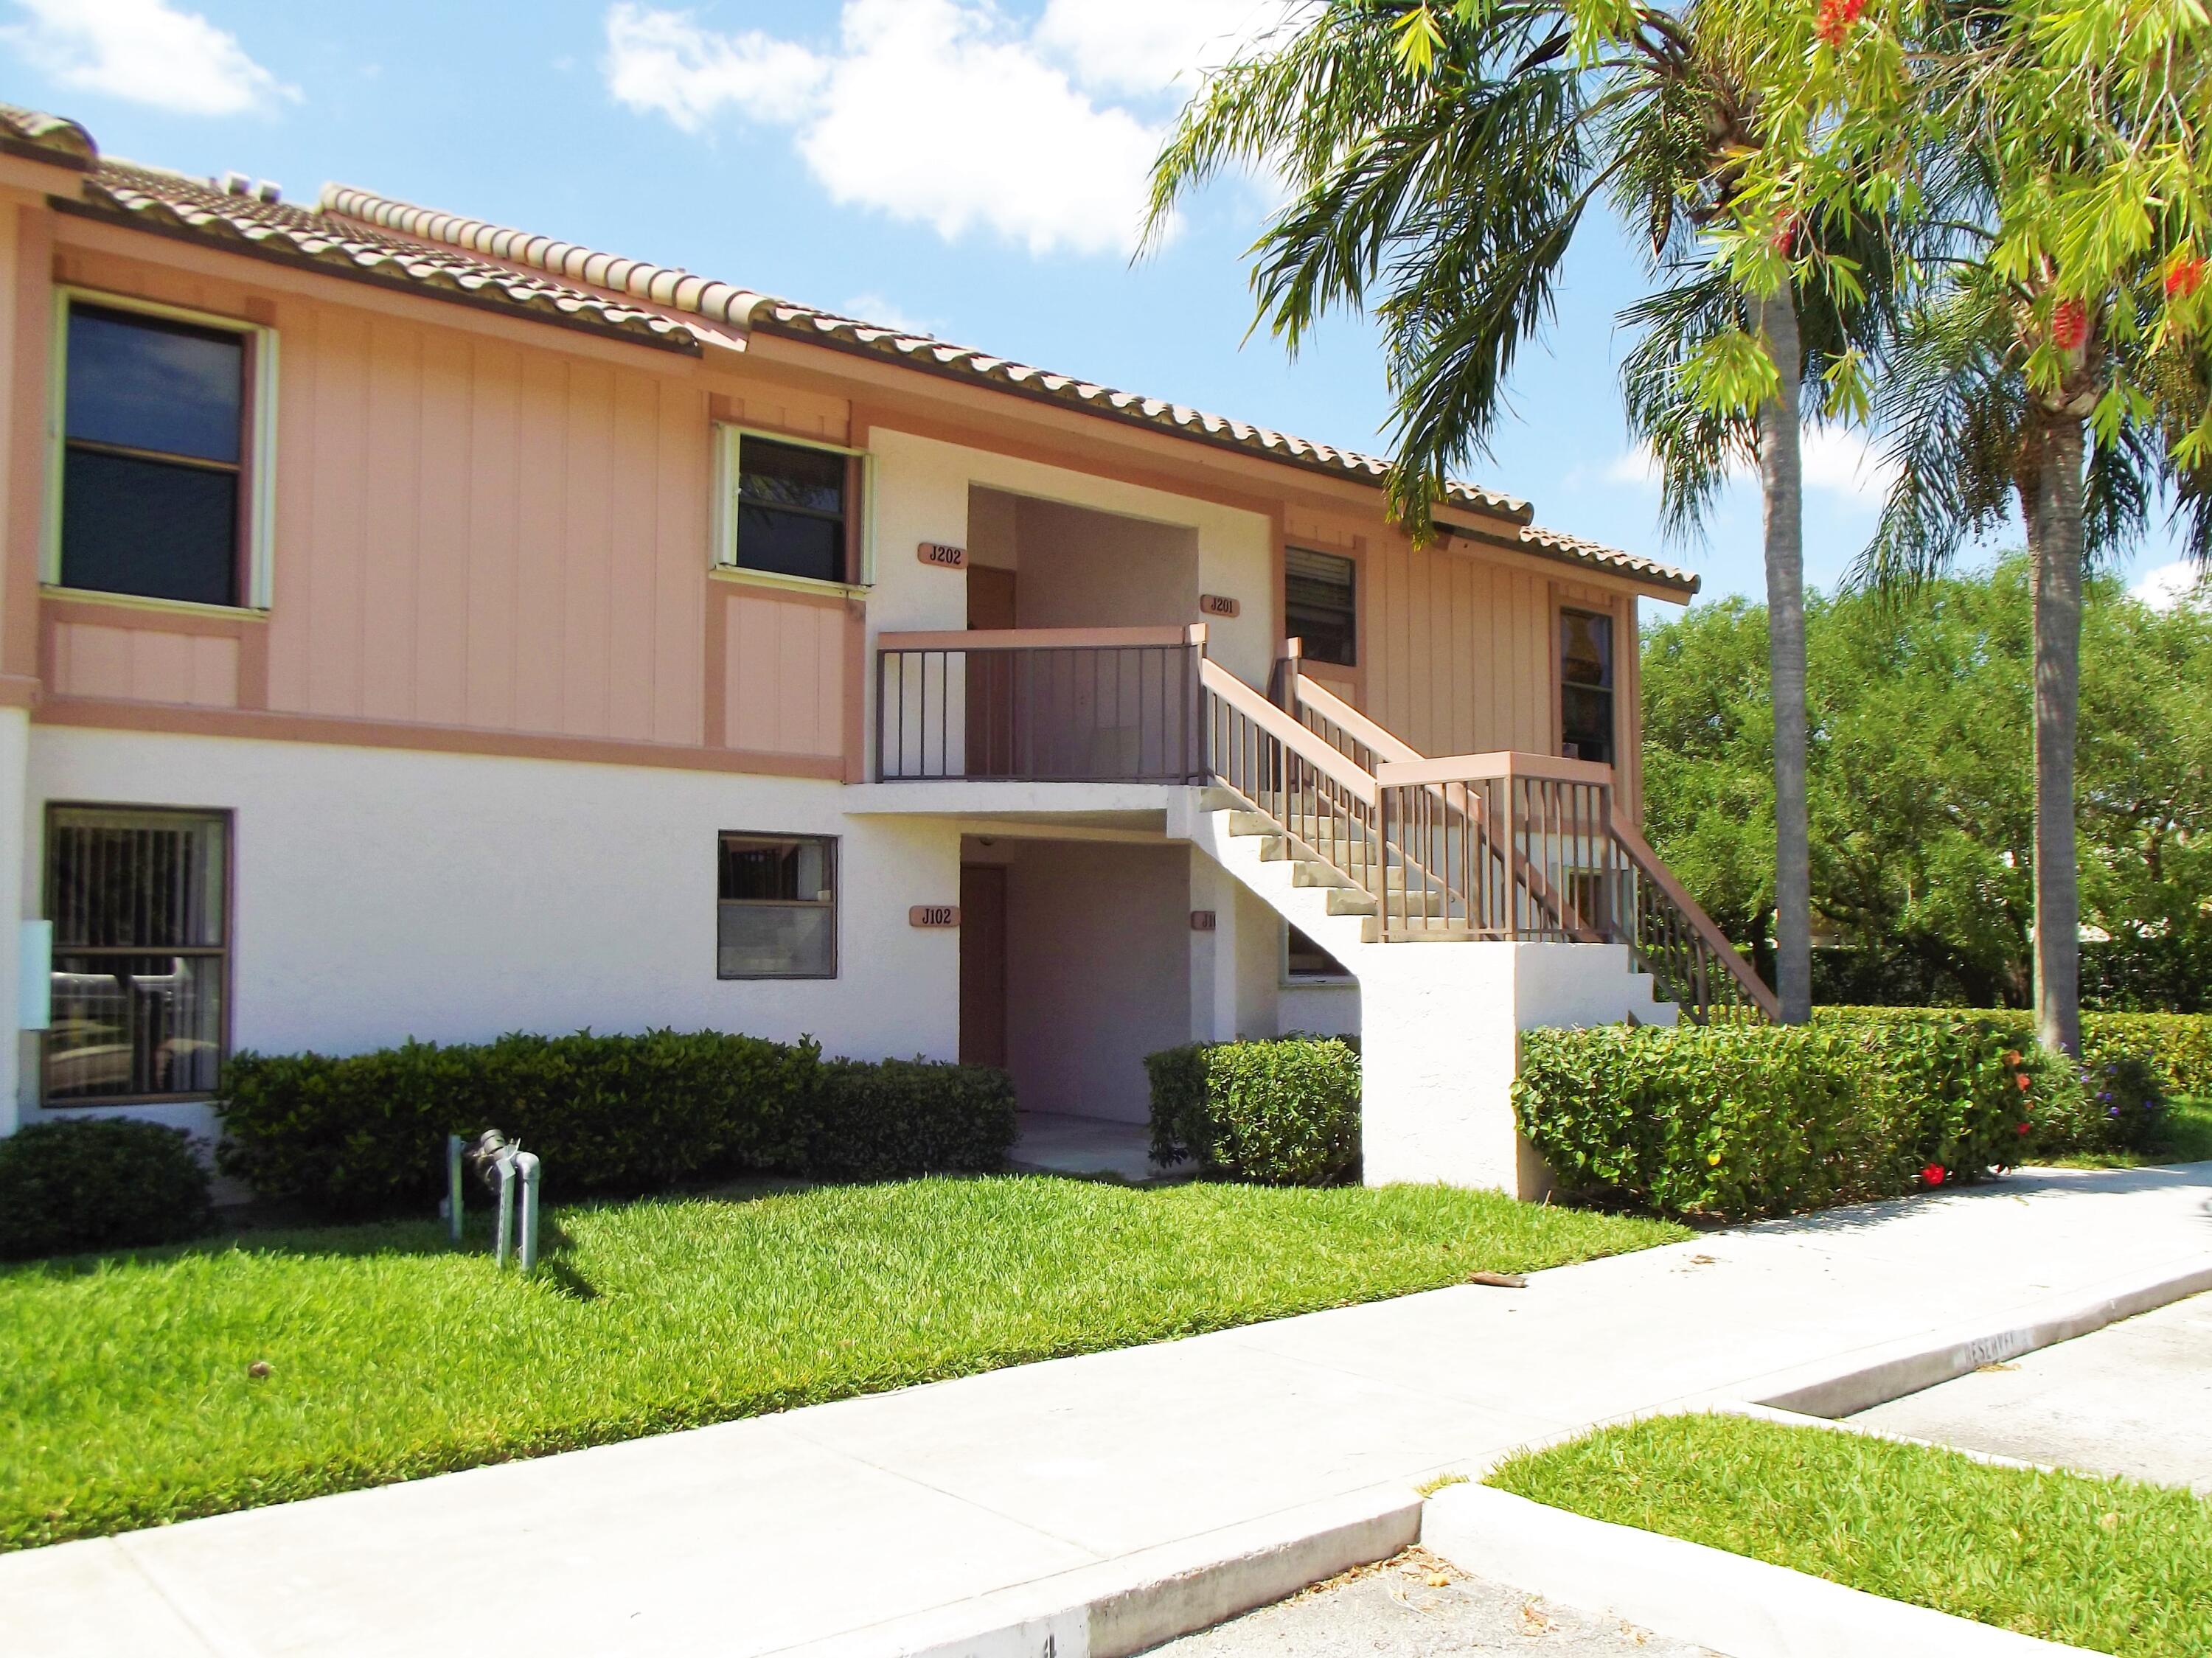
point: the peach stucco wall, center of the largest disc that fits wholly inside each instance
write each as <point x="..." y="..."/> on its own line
<point x="477" y="529"/>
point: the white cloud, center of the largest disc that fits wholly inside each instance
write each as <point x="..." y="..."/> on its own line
<point x="146" y="51"/>
<point x="888" y="313"/>
<point x="662" y="61"/>
<point x="946" y="112"/>
<point x="1832" y="460"/>
<point x="2172" y="585"/>
<point x="1150" y="45"/>
<point x="1839" y="461"/>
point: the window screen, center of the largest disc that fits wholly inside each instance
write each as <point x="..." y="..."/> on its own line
<point x="778" y="907"/>
<point x="138" y="901"/>
<point x="1319" y="605"/>
<point x="791" y="509"/>
<point x="1586" y="686"/>
<point x="153" y="433"/>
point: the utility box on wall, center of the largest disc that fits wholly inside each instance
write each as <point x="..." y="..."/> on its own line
<point x="34" y="982"/>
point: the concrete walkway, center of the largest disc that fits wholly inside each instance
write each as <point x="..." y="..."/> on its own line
<point x="2134" y="1399"/>
<point x="843" y="1524"/>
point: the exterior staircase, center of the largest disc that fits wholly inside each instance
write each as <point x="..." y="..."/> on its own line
<point x="1542" y="907"/>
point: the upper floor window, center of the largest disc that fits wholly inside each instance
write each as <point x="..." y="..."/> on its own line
<point x="794" y="510"/>
<point x="777" y="916"/>
<point x="157" y="455"/>
<point x="1586" y="710"/>
<point x="1319" y="605"/>
<point x="139" y="904"/>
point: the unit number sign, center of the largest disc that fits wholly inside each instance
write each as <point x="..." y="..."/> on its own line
<point x="942" y="556"/>
<point x="1218" y="604"/>
<point x="934" y="915"/>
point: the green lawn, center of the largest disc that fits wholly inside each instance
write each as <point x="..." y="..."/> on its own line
<point x="125" y="1399"/>
<point x="2188" y="1138"/>
<point x="2109" y="1564"/>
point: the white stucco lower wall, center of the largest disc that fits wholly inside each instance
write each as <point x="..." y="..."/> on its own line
<point x="383" y="894"/>
<point x="1440" y="1048"/>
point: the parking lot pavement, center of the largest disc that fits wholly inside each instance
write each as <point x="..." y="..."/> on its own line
<point x="2134" y="1398"/>
<point x="1418" y="1606"/>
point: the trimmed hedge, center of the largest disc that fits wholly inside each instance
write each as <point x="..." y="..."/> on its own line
<point x="2178" y="1046"/>
<point x="366" y="1135"/>
<point x="1738" y="1121"/>
<point x="1284" y="1112"/>
<point x="98" y="1183"/>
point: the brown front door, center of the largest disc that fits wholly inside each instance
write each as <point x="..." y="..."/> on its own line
<point x="990" y="677"/>
<point x="984" y="964"/>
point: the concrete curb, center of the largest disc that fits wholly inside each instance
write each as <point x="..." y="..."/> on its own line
<point x="1859" y="1381"/>
<point x="1125" y="1606"/>
<point x="1745" y="1608"/>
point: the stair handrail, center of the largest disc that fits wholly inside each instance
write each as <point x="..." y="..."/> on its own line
<point x="1339" y="768"/>
<point x="1391" y="748"/>
<point x="1623" y="832"/>
<point x="1652" y="869"/>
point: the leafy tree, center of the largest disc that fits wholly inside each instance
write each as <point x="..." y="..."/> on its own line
<point x="1921" y="802"/>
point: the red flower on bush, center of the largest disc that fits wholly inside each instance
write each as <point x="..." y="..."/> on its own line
<point x="1933" y="1174"/>
<point x="1785" y="236"/>
<point x="2012" y="1056"/>
<point x="2069" y="325"/>
<point x="2026" y="1082"/>
<point x="2023" y="1128"/>
<point x="1835" y="21"/>
<point x="2184" y="276"/>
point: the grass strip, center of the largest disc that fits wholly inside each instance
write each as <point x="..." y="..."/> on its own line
<point x="126" y="1400"/>
<point x="2114" y="1566"/>
<point x="2186" y="1137"/>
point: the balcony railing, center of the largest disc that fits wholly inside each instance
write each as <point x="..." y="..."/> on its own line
<point x="1090" y="705"/>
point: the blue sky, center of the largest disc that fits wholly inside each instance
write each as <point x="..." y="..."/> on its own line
<point x="967" y="167"/>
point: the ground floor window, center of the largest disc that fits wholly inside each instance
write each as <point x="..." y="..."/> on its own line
<point x="139" y="901"/>
<point x="1304" y="959"/>
<point x="778" y="907"/>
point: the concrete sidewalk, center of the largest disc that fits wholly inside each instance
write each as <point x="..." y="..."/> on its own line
<point x="848" y="1525"/>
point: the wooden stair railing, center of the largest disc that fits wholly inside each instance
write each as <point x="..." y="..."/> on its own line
<point x="1578" y="868"/>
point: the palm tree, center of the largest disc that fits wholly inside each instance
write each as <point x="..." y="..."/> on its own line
<point x="1974" y="437"/>
<point x="1440" y="162"/>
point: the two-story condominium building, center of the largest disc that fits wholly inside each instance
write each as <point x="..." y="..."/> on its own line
<point x="414" y="627"/>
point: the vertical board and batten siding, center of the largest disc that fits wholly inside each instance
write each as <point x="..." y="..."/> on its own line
<point x="472" y="533"/>
<point x="1458" y="652"/>
<point x="784" y="688"/>
<point x="476" y="533"/>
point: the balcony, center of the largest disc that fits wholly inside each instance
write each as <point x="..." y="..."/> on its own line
<point x="1058" y="705"/>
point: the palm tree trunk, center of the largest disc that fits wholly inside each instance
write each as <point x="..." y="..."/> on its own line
<point x="1781" y="488"/>
<point x="2056" y="544"/>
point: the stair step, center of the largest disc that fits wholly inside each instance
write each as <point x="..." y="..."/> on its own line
<point x="1308" y="873"/>
<point x="1346" y="900"/>
<point x="1214" y="797"/>
<point x="1252" y="822"/>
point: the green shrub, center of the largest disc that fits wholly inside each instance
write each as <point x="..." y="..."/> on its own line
<point x="98" y="1183"/>
<point x="909" y="1117"/>
<point x="1281" y="1113"/>
<point x="366" y="1135"/>
<point x="1738" y="1121"/>
<point x="2178" y="1046"/>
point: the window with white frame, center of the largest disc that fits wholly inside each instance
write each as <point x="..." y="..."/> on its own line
<point x="139" y="905"/>
<point x="777" y="912"/>
<point x="164" y="445"/>
<point x="790" y="509"/>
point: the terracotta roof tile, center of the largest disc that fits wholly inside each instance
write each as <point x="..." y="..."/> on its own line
<point x="171" y="202"/>
<point x="356" y="233"/>
<point x="48" y="137"/>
